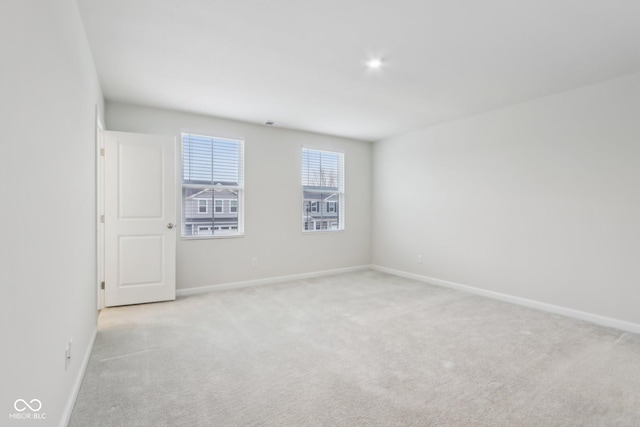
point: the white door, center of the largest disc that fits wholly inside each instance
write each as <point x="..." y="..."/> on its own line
<point x="140" y="217"/>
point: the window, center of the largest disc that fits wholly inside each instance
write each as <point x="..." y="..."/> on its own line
<point x="212" y="171"/>
<point x="322" y="190"/>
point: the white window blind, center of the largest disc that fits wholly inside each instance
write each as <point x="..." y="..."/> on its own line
<point x="322" y="190"/>
<point x="213" y="171"/>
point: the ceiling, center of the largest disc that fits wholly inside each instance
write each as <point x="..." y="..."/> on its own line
<point x="302" y="63"/>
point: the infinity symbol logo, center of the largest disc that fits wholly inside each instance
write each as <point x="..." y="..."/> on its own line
<point x="37" y="405"/>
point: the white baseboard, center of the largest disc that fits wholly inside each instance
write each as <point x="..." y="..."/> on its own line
<point x="66" y="415"/>
<point x="564" y="311"/>
<point x="266" y="281"/>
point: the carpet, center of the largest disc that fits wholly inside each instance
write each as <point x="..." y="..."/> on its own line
<point x="356" y="349"/>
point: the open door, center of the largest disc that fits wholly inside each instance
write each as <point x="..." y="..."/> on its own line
<point x="140" y="218"/>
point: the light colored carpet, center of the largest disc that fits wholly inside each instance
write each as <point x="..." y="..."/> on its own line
<point x="358" y="349"/>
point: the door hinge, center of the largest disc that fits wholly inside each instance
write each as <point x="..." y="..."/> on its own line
<point x="102" y="152"/>
<point x="101" y="285"/>
<point x="102" y="219"/>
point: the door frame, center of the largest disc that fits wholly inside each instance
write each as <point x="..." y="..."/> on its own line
<point x="100" y="236"/>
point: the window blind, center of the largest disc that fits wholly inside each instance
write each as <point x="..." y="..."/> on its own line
<point x="212" y="161"/>
<point x="212" y="186"/>
<point x="322" y="169"/>
<point x="322" y="190"/>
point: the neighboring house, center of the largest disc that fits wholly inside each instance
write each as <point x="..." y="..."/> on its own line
<point x="209" y="210"/>
<point x="320" y="211"/>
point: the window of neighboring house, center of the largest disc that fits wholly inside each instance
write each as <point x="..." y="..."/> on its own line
<point x="204" y="229"/>
<point x="212" y="171"/>
<point x="202" y="206"/>
<point x="322" y="186"/>
<point x="233" y="206"/>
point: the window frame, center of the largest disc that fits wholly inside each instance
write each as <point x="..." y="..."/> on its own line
<point x="218" y="204"/>
<point x="206" y="206"/>
<point x="238" y="189"/>
<point x="314" y="226"/>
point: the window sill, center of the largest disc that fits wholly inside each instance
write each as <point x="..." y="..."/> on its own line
<point x="322" y="231"/>
<point x="230" y="236"/>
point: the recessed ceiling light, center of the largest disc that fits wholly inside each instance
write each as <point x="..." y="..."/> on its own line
<point x="374" y="63"/>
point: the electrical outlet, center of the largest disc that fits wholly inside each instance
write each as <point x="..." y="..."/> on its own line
<point x="67" y="355"/>
<point x="419" y="259"/>
<point x="254" y="262"/>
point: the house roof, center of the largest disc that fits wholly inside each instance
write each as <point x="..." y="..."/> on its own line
<point x="323" y="197"/>
<point x="197" y="193"/>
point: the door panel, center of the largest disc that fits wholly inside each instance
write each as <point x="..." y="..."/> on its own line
<point x="139" y="218"/>
<point x="140" y="260"/>
<point x="141" y="196"/>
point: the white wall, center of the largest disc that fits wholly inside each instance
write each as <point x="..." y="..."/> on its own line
<point x="273" y="203"/>
<point x="47" y="172"/>
<point x="539" y="200"/>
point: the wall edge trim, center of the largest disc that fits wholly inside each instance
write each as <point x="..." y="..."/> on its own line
<point x="71" y="401"/>
<point x="555" y="309"/>
<point x="266" y="281"/>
